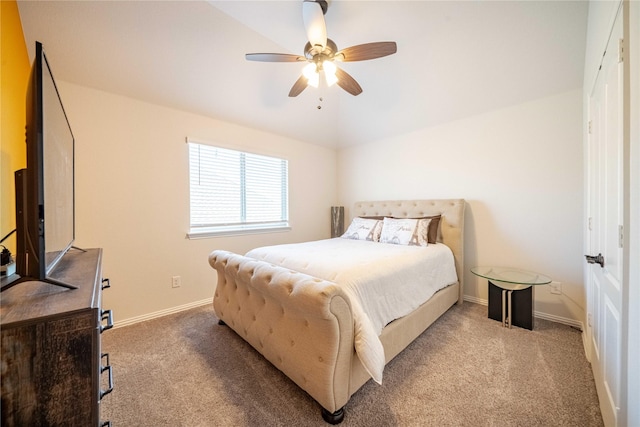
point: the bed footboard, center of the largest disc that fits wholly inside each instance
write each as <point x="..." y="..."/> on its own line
<point x="301" y="324"/>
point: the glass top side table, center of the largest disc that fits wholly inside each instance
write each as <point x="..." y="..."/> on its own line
<point x="516" y="309"/>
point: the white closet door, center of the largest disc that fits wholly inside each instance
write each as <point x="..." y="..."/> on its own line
<point x="606" y="203"/>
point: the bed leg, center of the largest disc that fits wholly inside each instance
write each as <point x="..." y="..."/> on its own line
<point x="333" y="418"/>
<point x="221" y="322"/>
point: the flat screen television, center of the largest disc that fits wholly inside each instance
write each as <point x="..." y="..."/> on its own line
<point x="45" y="200"/>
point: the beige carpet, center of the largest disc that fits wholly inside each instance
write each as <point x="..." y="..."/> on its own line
<point x="466" y="370"/>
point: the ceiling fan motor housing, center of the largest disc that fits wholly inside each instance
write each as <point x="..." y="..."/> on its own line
<point x="311" y="52"/>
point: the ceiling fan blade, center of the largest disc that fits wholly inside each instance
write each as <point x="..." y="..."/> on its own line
<point x="348" y="83"/>
<point x="298" y="86"/>
<point x="274" y="57"/>
<point x="313" y="17"/>
<point x="366" y="51"/>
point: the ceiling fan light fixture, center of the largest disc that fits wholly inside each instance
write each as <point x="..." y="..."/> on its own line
<point x="311" y="73"/>
<point x="330" y="72"/>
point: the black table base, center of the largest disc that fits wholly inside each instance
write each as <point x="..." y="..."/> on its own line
<point x="521" y="306"/>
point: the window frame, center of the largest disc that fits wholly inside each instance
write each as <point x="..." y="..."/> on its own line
<point x="242" y="228"/>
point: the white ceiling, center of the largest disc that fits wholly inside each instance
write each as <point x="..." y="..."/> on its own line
<point x="455" y="59"/>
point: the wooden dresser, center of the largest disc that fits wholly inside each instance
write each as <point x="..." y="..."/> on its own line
<point x="53" y="370"/>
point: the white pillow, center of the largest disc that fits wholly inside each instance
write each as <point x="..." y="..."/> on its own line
<point x="364" y="229"/>
<point x="405" y="231"/>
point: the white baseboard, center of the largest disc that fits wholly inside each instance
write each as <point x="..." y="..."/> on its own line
<point x="558" y="319"/>
<point x="161" y="313"/>
<point x="476" y="300"/>
<point x="540" y="315"/>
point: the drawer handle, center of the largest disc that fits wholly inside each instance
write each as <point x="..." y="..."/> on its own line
<point x="107" y="285"/>
<point x="103" y="368"/>
<point x="108" y="316"/>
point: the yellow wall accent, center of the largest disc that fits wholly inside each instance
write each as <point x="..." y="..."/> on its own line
<point x="14" y="77"/>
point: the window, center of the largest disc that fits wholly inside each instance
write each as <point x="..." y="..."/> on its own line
<point x="234" y="192"/>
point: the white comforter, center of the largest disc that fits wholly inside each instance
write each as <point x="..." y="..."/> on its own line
<point x="384" y="281"/>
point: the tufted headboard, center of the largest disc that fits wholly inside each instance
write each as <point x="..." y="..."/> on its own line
<point x="451" y="228"/>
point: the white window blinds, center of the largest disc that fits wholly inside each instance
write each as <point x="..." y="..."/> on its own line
<point x="232" y="191"/>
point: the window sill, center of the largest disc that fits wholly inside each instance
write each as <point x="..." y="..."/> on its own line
<point x="207" y="233"/>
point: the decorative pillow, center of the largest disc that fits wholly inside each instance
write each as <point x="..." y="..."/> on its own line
<point x="364" y="229"/>
<point x="405" y="231"/>
<point x="433" y="227"/>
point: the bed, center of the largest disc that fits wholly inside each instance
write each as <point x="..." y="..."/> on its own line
<point x="307" y="320"/>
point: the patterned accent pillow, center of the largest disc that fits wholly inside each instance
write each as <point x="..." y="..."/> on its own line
<point x="433" y="227"/>
<point x="363" y="229"/>
<point x="405" y="231"/>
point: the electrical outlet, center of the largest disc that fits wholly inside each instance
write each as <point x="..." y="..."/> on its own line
<point x="175" y="282"/>
<point x="555" y="288"/>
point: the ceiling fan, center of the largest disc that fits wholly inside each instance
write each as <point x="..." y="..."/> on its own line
<point x="320" y="52"/>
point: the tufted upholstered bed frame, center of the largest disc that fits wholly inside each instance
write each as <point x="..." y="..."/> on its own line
<point x="304" y="326"/>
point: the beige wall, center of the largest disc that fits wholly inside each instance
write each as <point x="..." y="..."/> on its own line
<point x="520" y="170"/>
<point x="132" y="196"/>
